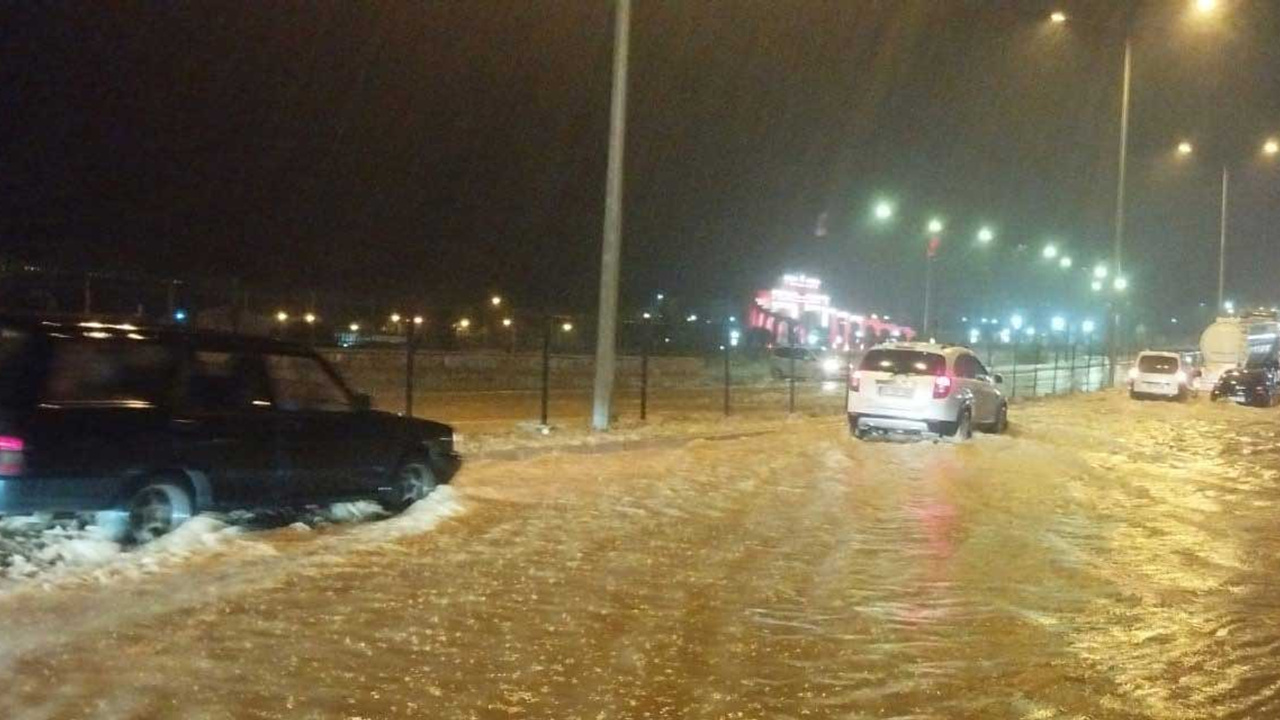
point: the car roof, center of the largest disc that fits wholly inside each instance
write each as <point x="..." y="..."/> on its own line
<point x="937" y="348"/>
<point x="46" y="325"/>
<point x="1161" y="353"/>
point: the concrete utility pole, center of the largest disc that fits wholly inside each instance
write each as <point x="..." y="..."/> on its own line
<point x="611" y="254"/>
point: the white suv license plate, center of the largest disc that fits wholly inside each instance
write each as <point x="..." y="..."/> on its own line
<point x="902" y="391"/>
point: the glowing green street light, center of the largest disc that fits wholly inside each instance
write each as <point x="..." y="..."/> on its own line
<point x="1121" y="283"/>
<point x="1100" y="271"/>
<point x="883" y="210"/>
<point x="1050" y="251"/>
<point x="935" y="226"/>
<point x="986" y="235"/>
<point x="1065" y="263"/>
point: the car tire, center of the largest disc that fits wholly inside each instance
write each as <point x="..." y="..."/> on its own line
<point x="413" y="481"/>
<point x="157" y="509"/>
<point x="962" y="429"/>
<point x="1001" y="423"/>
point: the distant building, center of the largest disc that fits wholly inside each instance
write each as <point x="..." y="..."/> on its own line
<point x="799" y="304"/>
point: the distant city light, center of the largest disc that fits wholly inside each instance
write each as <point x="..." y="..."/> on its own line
<point x="692" y="318"/>
<point x="1031" y="331"/>
<point x="974" y="335"/>
<point x="464" y="323"/>
<point x="1100" y="271"/>
<point x="647" y="316"/>
<point x="496" y="300"/>
<point x="354" y="327"/>
<point x="282" y="316"/>
<point x="1185" y="148"/>
<point x="567" y="327"/>
<point x="1016" y="322"/>
<point x="1121" y="283"/>
<point x="506" y="322"/>
<point x="1096" y="285"/>
<point x="1271" y="147"/>
<point x="180" y="315"/>
<point x="1173" y="320"/>
<point x="309" y="318"/>
<point x="418" y="319"/>
<point x="883" y="210"/>
<point x="1005" y="335"/>
<point x="1058" y="323"/>
<point x="660" y="296"/>
<point x="395" y="317"/>
<point x="1229" y="306"/>
<point x="1087" y="326"/>
<point x="935" y="226"/>
<point x="1050" y="251"/>
<point x="1206" y="6"/>
<point x="1058" y="17"/>
<point x="1065" y="263"/>
<point x="986" y="235"/>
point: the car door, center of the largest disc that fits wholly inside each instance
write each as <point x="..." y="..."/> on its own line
<point x="986" y="389"/>
<point x="332" y="450"/>
<point x="967" y="375"/>
<point x="223" y="426"/>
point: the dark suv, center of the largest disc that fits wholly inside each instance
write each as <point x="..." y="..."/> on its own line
<point x="163" y="424"/>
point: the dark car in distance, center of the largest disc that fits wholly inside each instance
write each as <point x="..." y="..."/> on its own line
<point x="163" y="423"/>
<point x="1257" y="386"/>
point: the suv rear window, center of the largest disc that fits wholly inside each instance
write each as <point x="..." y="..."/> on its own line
<point x="1158" y="364"/>
<point x="904" y="362"/>
<point x="104" y="372"/>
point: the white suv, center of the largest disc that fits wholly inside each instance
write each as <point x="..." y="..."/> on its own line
<point x="1162" y="374"/>
<point x="924" y="389"/>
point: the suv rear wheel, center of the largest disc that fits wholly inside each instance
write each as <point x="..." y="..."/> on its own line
<point x="157" y="509"/>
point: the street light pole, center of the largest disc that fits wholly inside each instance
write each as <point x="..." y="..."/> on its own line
<point x="1222" y="237"/>
<point x="611" y="252"/>
<point x="1117" y="251"/>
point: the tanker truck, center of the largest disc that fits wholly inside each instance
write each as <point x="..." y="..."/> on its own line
<point x="1237" y="342"/>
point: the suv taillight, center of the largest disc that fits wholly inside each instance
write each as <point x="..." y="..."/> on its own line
<point x="941" y="386"/>
<point x="11" y="455"/>
<point x="855" y="380"/>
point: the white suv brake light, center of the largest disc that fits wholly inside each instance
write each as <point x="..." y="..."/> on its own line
<point x="941" y="386"/>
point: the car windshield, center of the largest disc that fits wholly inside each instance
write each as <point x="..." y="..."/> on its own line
<point x="1158" y="364"/>
<point x="904" y="362"/>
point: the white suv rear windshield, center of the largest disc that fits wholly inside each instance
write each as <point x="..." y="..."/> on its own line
<point x="1159" y="364"/>
<point x="904" y="362"/>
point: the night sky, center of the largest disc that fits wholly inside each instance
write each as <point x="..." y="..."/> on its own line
<point x="441" y="151"/>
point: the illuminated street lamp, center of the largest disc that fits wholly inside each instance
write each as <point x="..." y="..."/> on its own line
<point x="935" y="226"/>
<point x="418" y="319"/>
<point x="1206" y="6"/>
<point x="883" y="210"/>
<point x="496" y="300"/>
<point x="1087" y="327"/>
<point x="986" y="235"/>
<point x="1121" y="283"/>
<point x="1058" y="323"/>
<point x="395" y="318"/>
<point x="354" y="327"/>
<point x="1185" y="148"/>
<point x="1057" y="17"/>
<point x="1065" y="263"/>
<point x="309" y="318"/>
<point x="506" y="322"/>
<point x="1100" y="271"/>
<point x="567" y="327"/>
<point x="464" y="323"/>
<point x="282" y="317"/>
<point x="1016" y="322"/>
<point x="1271" y="147"/>
<point x="1096" y="285"/>
<point x="1050" y="251"/>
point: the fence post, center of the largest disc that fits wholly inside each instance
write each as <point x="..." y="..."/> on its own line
<point x="644" y="370"/>
<point x="546" y="366"/>
<point x="1071" y="340"/>
<point x="1015" y="363"/>
<point x="1056" y="348"/>
<point x="726" y="372"/>
<point x="791" y="371"/>
<point x="1035" y="370"/>
<point x="408" y="369"/>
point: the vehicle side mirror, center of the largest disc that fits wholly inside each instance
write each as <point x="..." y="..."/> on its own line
<point x="997" y="378"/>
<point x="363" y="403"/>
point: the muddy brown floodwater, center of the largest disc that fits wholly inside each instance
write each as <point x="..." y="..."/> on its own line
<point x="1107" y="559"/>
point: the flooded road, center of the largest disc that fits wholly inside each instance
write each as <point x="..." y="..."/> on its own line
<point x="1108" y="559"/>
